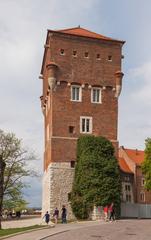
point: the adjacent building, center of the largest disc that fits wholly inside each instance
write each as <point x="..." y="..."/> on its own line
<point x="133" y="190"/>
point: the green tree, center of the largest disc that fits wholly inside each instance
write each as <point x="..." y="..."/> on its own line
<point x="14" y="160"/>
<point x="97" y="176"/>
<point x="146" y="165"/>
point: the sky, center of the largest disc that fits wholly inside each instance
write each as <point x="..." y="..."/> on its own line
<point x="23" y="29"/>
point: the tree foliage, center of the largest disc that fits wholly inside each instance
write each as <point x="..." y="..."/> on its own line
<point x="146" y="166"/>
<point x="97" y="176"/>
<point x="14" y="160"/>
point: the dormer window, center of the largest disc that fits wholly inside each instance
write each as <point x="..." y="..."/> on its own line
<point x="62" y="52"/>
<point x="110" y="58"/>
<point x="86" y="54"/>
<point x="74" y="53"/>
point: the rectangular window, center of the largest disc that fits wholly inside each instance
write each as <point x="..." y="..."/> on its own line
<point x="76" y="93"/>
<point x="96" y="95"/>
<point x="142" y="196"/>
<point x="71" y="129"/>
<point x="72" y="164"/>
<point x="128" y="198"/>
<point x="85" y="124"/>
<point x="127" y="178"/>
<point x="142" y="182"/>
<point x="127" y="188"/>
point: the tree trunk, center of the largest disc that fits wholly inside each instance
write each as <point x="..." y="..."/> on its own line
<point x="2" y="169"/>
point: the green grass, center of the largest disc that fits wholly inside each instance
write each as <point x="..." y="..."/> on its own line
<point x="5" y="232"/>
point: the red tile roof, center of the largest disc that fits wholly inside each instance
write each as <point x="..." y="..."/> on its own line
<point x="123" y="166"/>
<point x="78" y="31"/>
<point x="137" y="156"/>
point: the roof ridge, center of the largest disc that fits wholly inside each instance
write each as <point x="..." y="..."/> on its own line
<point x="83" y="32"/>
<point x="67" y="29"/>
<point x="134" y="149"/>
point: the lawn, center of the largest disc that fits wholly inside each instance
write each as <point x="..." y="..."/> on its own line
<point x="5" y="232"/>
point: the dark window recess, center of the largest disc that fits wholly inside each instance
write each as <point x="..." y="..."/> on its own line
<point x="74" y="53"/>
<point x="109" y="58"/>
<point x="62" y="51"/>
<point x="86" y="54"/>
<point x="98" y="56"/>
<point x="72" y="164"/>
<point x="71" y="129"/>
<point x="69" y="196"/>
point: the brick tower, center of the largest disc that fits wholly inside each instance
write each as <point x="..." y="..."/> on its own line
<point x="82" y="79"/>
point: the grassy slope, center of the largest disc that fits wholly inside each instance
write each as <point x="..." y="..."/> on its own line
<point x="5" y="232"/>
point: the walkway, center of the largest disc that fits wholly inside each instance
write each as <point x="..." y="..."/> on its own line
<point x="60" y="228"/>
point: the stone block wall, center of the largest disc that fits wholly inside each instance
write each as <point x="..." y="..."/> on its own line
<point x="57" y="183"/>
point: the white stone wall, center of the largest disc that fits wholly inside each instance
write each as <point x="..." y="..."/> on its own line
<point x="57" y="183"/>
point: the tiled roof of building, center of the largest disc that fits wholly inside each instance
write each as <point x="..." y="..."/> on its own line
<point x="78" y="31"/>
<point x="123" y="166"/>
<point x="137" y="156"/>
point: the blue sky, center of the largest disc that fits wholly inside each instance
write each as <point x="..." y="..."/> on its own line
<point x="23" y="26"/>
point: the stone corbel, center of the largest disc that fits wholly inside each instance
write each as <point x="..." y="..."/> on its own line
<point x="52" y="74"/>
<point x="41" y="77"/>
<point x="118" y="79"/>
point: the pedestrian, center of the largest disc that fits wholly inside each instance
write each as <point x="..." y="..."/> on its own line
<point x="112" y="212"/>
<point x="105" y="209"/>
<point x="47" y="217"/>
<point x="56" y="215"/>
<point x="64" y="214"/>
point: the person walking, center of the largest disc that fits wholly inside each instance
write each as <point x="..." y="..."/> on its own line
<point x="56" y="215"/>
<point x="64" y="214"/>
<point x="112" y="212"/>
<point x="105" y="209"/>
<point x="47" y="217"/>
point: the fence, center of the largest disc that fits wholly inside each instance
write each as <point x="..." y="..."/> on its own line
<point x="135" y="210"/>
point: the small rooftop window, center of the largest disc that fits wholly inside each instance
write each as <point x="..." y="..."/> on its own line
<point x="98" y="56"/>
<point x="110" y="58"/>
<point x="62" y="52"/>
<point x="86" y="54"/>
<point x="74" y="53"/>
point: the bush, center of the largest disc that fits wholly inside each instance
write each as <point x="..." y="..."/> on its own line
<point x="97" y="177"/>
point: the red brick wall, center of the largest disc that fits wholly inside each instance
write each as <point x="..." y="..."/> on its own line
<point x="88" y="71"/>
<point x="140" y="189"/>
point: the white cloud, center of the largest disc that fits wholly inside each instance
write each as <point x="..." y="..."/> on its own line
<point x="142" y="75"/>
<point x="135" y="105"/>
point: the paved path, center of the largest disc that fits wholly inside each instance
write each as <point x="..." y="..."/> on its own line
<point x="123" y="229"/>
<point x="60" y="228"/>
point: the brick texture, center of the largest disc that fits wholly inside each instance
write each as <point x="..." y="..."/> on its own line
<point x="59" y="111"/>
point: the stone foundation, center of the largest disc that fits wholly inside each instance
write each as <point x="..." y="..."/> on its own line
<point x="57" y="183"/>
